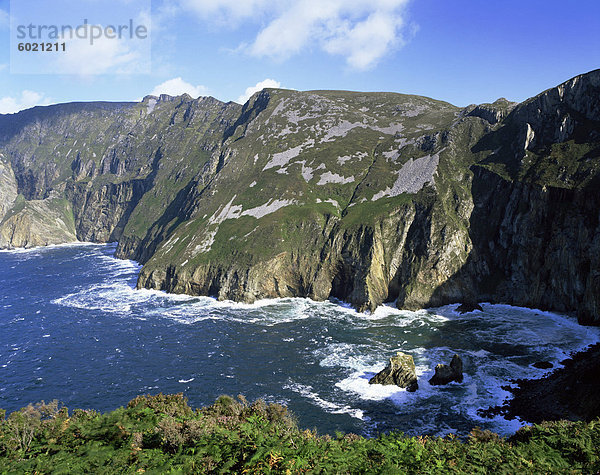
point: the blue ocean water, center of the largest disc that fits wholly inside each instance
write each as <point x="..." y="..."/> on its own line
<point x="73" y="328"/>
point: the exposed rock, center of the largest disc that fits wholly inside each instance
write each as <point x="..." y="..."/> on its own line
<point x="571" y="392"/>
<point x="37" y="223"/>
<point x="31" y="223"/>
<point x="543" y="365"/>
<point x="101" y="213"/>
<point x="399" y="371"/>
<point x="493" y="113"/>
<point x="468" y="307"/>
<point x="8" y="187"/>
<point x="445" y="374"/>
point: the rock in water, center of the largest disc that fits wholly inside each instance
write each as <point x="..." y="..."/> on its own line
<point x="468" y="307"/>
<point x="399" y="371"/>
<point x="445" y="374"/>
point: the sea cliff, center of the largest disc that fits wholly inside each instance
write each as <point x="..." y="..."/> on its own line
<point x="365" y="197"/>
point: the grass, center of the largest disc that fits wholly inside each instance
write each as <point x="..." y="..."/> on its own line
<point x="162" y="434"/>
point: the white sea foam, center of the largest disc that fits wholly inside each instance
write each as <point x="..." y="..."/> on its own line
<point x="50" y="247"/>
<point x="550" y="335"/>
<point x="358" y="383"/>
<point x="497" y="344"/>
<point x="333" y="408"/>
<point x="108" y="297"/>
<point x="121" y="298"/>
<point x="120" y="264"/>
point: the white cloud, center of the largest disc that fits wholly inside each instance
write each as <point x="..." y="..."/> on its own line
<point x="366" y="42"/>
<point x="105" y="56"/>
<point x="363" y="31"/>
<point x="27" y="99"/>
<point x="105" y="52"/>
<point x="229" y="11"/>
<point x="258" y="87"/>
<point x="177" y="87"/>
<point x="4" y="19"/>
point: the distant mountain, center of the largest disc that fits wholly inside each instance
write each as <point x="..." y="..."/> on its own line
<point x="365" y="197"/>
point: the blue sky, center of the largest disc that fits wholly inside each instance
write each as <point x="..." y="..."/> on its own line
<point x="455" y="50"/>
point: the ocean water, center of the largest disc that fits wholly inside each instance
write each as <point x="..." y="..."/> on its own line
<point x="73" y="328"/>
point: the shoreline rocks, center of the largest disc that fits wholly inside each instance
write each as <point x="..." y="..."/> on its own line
<point x="399" y="371"/>
<point x="445" y="374"/>
<point x="571" y="392"/>
<point x="468" y="307"/>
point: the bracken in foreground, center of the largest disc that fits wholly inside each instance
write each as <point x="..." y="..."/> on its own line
<point x="162" y="434"/>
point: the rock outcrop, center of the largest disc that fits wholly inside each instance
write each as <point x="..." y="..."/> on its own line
<point x="570" y="392"/>
<point x="8" y="186"/>
<point x="445" y="374"/>
<point x="542" y="365"/>
<point x="31" y="223"/>
<point x="37" y="223"/>
<point x="468" y="307"/>
<point x="493" y="113"/>
<point x="400" y="371"/>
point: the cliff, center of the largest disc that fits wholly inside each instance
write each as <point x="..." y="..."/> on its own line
<point x="366" y="197"/>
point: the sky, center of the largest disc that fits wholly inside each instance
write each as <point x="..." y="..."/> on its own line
<point x="460" y="51"/>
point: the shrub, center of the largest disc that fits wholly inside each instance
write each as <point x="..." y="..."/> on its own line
<point x="22" y="426"/>
<point x="171" y="433"/>
<point x="175" y="405"/>
<point x="477" y="434"/>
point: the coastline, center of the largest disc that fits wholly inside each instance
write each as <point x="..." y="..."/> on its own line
<point x="569" y="392"/>
<point x="534" y="401"/>
<point x="55" y="246"/>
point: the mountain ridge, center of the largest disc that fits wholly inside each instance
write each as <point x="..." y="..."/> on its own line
<point x="365" y="197"/>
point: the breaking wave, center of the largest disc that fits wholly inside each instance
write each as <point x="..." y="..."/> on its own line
<point x="318" y="357"/>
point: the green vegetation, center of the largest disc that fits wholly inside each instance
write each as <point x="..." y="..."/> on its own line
<point x="562" y="165"/>
<point x="162" y="434"/>
<point x="17" y="207"/>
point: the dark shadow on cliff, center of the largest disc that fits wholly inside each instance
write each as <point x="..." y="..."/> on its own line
<point x="140" y="187"/>
<point x="533" y="246"/>
<point x="249" y="112"/>
<point x="416" y="246"/>
<point x="164" y="225"/>
<point x="142" y="249"/>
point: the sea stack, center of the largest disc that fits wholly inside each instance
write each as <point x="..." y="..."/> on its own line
<point x="445" y="374"/>
<point x="399" y="371"/>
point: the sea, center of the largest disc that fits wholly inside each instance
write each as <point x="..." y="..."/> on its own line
<point x="74" y="328"/>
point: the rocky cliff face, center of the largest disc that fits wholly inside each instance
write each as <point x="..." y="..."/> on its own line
<point x="323" y="194"/>
<point x="536" y="222"/>
<point x="30" y="223"/>
<point x="118" y="165"/>
<point x="366" y="197"/>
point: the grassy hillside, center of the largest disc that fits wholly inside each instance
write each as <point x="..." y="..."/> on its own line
<point x="162" y="434"/>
